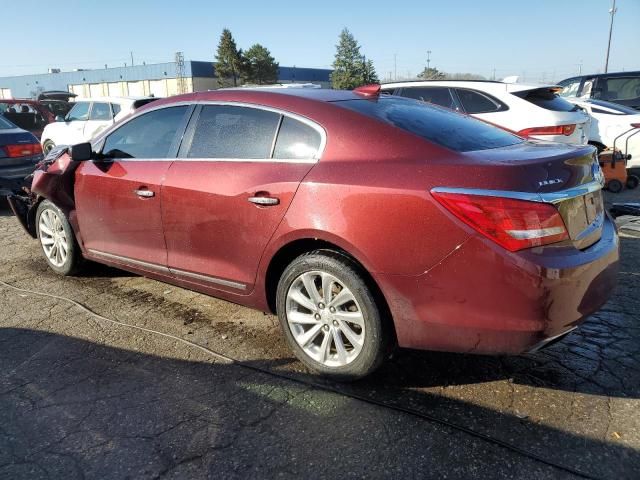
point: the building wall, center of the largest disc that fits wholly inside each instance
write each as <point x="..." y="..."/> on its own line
<point x="138" y="80"/>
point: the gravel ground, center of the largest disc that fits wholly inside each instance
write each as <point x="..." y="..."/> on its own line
<point x="81" y="397"/>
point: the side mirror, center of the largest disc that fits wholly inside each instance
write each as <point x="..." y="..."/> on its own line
<point x="59" y="118"/>
<point x="81" y="152"/>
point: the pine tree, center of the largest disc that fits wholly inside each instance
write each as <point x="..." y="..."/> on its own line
<point x="369" y="74"/>
<point x="228" y="64"/>
<point x="348" y="65"/>
<point x="431" y="74"/>
<point x="261" y="66"/>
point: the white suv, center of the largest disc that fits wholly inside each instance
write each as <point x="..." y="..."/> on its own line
<point x="87" y="118"/>
<point x="532" y="111"/>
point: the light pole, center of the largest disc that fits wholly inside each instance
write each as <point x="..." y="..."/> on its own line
<point x="428" y="59"/>
<point x="612" y="12"/>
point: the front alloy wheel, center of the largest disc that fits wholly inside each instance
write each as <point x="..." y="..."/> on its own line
<point x="330" y="316"/>
<point x="57" y="239"/>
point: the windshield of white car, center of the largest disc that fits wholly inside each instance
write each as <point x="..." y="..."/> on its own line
<point x="619" y="109"/>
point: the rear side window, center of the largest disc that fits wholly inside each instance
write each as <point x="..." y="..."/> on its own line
<point x="436" y="95"/>
<point x="547" y="99"/>
<point x="234" y="132"/>
<point x="148" y="136"/>
<point x="446" y="128"/>
<point x="100" y="111"/>
<point x="296" y="141"/>
<point x="475" y="102"/>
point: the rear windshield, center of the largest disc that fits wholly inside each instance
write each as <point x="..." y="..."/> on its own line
<point x="5" y="124"/>
<point x="547" y="99"/>
<point x="438" y="125"/>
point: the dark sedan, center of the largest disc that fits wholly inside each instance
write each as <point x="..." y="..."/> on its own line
<point x="20" y="151"/>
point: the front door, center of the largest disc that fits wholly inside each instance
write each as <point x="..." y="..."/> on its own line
<point x="226" y="194"/>
<point x="118" y="197"/>
<point x="100" y="118"/>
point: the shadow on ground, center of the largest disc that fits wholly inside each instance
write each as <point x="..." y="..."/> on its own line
<point x="74" y="409"/>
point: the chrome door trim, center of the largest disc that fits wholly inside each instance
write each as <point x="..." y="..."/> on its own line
<point x="550" y="197"/>
<point x="168" y="271"/>
<point x="139" y="263"/>
<point x="209" y="279"/>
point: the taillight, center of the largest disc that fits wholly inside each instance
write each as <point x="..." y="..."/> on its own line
<point x="553" y="130"/>
<point x="514" y="224"/>
<point x="23" y="150"/>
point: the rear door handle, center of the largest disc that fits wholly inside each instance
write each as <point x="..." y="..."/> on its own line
<point x="264" y="201"/>
<point x="144" y="193"/>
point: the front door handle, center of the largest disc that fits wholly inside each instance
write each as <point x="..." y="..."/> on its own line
<point x="144" y="193"/>
<point x="264" y="201"/>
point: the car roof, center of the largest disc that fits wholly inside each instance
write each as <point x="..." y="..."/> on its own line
<point x="487" y="85"/>
<point x="111" y="99"/>
<point x="633" y="73"/>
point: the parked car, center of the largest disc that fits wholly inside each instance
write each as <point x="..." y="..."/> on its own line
<point x="30" y="115"/>
<point x="533" y="111"/>
<point x="611" y="123"/>
<point x="88" y="118"/>
<point x="363" y="220"/>
<point x="57" y="101"/>
<point x="20" y="151"/>
<point x="619" y="87"/>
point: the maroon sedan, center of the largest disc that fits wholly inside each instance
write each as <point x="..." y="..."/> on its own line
<point x="365" y="221"/>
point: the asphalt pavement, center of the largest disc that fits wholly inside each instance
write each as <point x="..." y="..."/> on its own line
<point x="131" y="395"/>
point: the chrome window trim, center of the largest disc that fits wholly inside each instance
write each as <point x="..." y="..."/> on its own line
<point x="549" y="197"/>
<point x="163" y="269"/>
<point x="323" y="133"/>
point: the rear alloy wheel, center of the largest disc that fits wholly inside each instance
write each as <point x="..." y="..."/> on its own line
<point x="57" y="239"/>
<point x="47" y="146"/>
<point x="614" y="186"/>
<point x="330" y="317"/>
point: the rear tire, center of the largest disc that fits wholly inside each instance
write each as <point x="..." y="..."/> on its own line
<point x="330" y="317"/>
<point x="57" y="240"/>
<point x="614" y="186"/>
<point x="47" y="146"/>
<point x="632" y="182"/>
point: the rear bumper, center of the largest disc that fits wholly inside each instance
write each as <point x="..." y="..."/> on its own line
<point x="484" y="299"/>
<point x="12" y="175"/>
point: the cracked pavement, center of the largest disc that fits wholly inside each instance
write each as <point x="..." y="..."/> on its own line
<point x="84" y="398"/>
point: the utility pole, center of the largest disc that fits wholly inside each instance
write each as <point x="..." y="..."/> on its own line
<point x="395" y="66"/>
<point x="494" y="74"/>
<point x="612" y="12"/>
<point x="131" y="58"/>
<point x="580" y="68"/>
<point x="428" y="59"/>
<point x="180" y="72"/>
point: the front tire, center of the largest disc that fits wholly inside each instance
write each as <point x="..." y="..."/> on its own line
<point x="57" y="239"/>
<point x="47" y="146"/>
<point x="330" y="317"/>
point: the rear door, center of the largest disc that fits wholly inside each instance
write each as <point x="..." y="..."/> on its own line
<point x="72" y="130"/>
<point x="223" y="198"/>
<point x="100" y="118"/>
<point x="118" y="198"/>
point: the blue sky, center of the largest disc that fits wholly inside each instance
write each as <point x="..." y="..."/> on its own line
<point x="541" y="40"/>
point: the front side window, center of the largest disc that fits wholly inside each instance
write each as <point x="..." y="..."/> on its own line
<point x="148" y="136"/>
<point x="80" y="111"/>
<point x="296" y="141"/>
<point x="436" y="95"/>
<point x="100" y="111"/>
<point x="476" y="102"/>
<point x="224" y="131"/>
<point x="621" y="88"/>
<point x="443" y="127"/>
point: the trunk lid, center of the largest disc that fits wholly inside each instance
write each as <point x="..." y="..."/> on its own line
<point x="568" y="176"/>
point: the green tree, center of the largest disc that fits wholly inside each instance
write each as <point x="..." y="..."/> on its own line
<point x="369" y="74"/>
<point x="431" y="74"/>
<point x="260" y="66"/>
<point x="348" y="63"/>
<point x="228" y="63"/>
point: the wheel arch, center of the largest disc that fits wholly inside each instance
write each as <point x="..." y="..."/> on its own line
<point x="294" y="248"/>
